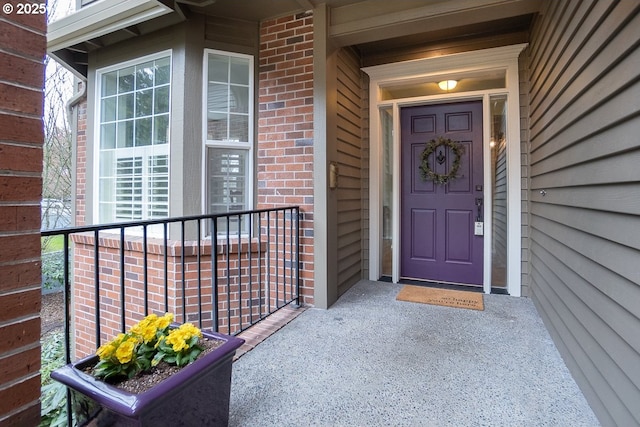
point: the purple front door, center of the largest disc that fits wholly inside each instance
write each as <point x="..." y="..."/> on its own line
<point x="439" y="240"/>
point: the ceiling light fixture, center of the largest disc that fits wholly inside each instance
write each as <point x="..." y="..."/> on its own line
<point x="447" y="84"/>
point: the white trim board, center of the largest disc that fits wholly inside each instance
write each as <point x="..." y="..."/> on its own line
<point x="434" y="69"/>
<point x="100" y="18"/>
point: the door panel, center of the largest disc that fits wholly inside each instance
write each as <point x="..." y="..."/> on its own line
<point x="425" y="220"/>
<point x="437" y="220"/>
<point x="458" y="230"/>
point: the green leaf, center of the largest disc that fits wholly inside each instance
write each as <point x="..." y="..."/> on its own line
<point x="194" y="353"/>
<point x="157" y="358"/>
<point x="53" y="397"/>
<point x="193" y="341"/>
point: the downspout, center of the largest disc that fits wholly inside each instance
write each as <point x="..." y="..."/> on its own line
<point x="74" y="101"/>
<point x="73" y="125"/>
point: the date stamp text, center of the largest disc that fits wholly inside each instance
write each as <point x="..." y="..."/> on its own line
<point x="25" y="8"/>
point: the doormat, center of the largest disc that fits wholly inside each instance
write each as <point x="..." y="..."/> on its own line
<point x="444" y="297"/>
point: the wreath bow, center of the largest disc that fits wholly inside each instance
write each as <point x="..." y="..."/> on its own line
<point x="428" y="173"/>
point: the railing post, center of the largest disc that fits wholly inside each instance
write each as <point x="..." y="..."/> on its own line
<point x="240" y="271"/>
<point x="199" y="261"/>
<point x="250" y="286"/>
<point x="182" y="268"/>
<point x="96" y="275"/>
<point x="214" y="274"/>
<point x="123" y="316"/>
<point x="297" y="256"/>
<point x="166" y="267"/>
<point x="145" y="269"/>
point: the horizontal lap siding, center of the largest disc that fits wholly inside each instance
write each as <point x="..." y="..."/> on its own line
<point x="349" y="162"/>
<point x="585" y="231"/>
<point x="232" y="34"/>
<point x="366" y="180"/>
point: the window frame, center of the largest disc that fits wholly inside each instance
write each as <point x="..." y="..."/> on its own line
<point x="249" y="145"/>
<point x="97" y="119"/>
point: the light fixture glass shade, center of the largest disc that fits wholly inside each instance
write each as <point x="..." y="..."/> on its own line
<point x="447" y="84"/>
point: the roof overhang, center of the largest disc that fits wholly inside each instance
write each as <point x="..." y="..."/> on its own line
<point x="96" y="20"/>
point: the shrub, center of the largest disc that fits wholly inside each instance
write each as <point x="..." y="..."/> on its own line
<point x="53" y="411"/>
<point x="53" y="270"/>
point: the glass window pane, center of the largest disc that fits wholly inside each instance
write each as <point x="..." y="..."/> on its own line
<point x="143" y="132"/>
<point x="161" y="100"/>
<point x="218" y="68"/>
<point x="110" y="83"/>
<point x="498" y="145"/>
<point x="144" y="75"/>
<point x="108" y="109"/>
<point x="238" y="128"/>
<point x="218" y="97"/>
<point x="158" y="190"/>
<point x="144" y="101"/>
<point x="107" y="189"/>
<point x="386" y="120"/>
<point x="125" y="134"/>
<point x="239" y="102"/>
<point x="126" y="80"/>
<point x="125" y="106"/>
<point x="159" y="164"/>
<point x="227" y="183"/>
<point x="240" y="70"/>
<point x="106" y="209"/>
<point x="217" y="127"/>
<point x="163" y="71"/>
<point x="161" y="130"/>
<point x="107" y="165"/>
<point x="108" y="136"/>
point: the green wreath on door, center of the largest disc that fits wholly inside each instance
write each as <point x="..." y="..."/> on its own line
<point x="427" y="172"/>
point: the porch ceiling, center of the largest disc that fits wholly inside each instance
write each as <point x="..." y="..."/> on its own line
<point x="370" y="24"/>
<point x="369" y="21"/>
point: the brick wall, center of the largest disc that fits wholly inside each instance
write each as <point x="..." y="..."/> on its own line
<point x="285" y="126"/>
<point x="22" y="47"/>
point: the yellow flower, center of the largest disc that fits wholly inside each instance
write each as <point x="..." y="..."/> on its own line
<point x="144" y="323"/>
<point x="106" y="351"/>
<point x="147" y="332"/>
<point x="125" y="356"/>
<point x="164" y="321"/>
<point x="124" y="353"/>
<point x="178" y="338"/>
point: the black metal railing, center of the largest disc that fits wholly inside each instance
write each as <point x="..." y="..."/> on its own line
<point x="115" y="274"/>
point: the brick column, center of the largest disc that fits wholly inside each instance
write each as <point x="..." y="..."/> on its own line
<point x="285" y="127"/>
<point x="22" y="48"/>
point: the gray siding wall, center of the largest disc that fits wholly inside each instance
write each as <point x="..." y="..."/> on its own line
<point x="525" y="255"/>
<point x="366" y="174"/>
<point x="232" y="35"/>
<point x="585" y="232"/>
<point x="349" y="161"/>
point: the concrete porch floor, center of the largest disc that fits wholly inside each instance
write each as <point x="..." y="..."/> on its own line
<point x="370" y="360"/>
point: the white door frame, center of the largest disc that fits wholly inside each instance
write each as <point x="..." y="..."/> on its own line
<point x="435" y="69"/>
